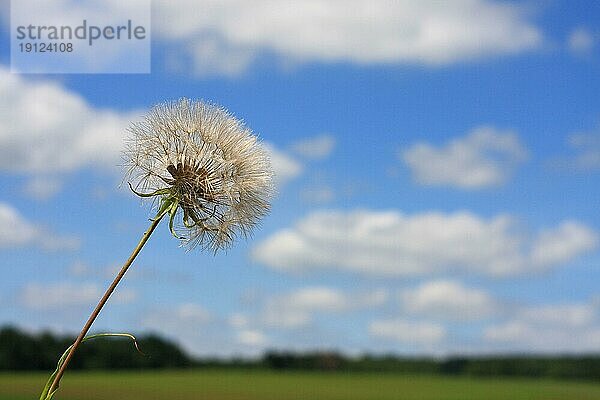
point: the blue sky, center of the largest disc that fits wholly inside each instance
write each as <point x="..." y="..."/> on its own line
<point x="437" y="192"/>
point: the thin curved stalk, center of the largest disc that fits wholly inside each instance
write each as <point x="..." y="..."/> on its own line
<point x="46" y="394"/>
<point x="163" y="210"/>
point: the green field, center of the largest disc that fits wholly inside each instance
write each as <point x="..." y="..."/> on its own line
<point x="267" y="385"/>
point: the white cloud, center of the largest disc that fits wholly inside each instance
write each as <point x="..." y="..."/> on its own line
<point x="16" y="231"/>
<point x="56" y="296"/>
<point x="555" y="328"/>
<point x="46" y="128"/>
<point x="317" y="194"/>
<point x="581" y="40"/>
<point x="238" y="320"/>
<point x="318" y="147"/>
<point x="289" y="319"/>
<point x="52" y="242"/>
<point x="561" y="244"/>
<point x="42" y="188"/>
<point x="204" y="333"/>
<point x="214" y="56"/>
<point x="587" y="152"/>
<point x="284" y="166"/>
<point x="315" y="298"/>
<point x="448" y="300"/>
<point x="187" y="316"/>
<point x="228" y="36"/>
<point x="252" y="338"/>
<point x="79" y="269"/>
<point x="566" y="315"/>
<point x="409" y="332"/>
<point x="582" y="140"/>
<point x="389" y="243"/>
<point x="297" y="308"/>
<point x="200" y="331"/>
<point x="484" y="157"/>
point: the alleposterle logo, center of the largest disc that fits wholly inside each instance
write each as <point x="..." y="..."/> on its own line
<point x="89" y="36"/>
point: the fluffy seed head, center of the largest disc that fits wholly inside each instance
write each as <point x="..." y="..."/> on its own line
<point x="206" y="164"/>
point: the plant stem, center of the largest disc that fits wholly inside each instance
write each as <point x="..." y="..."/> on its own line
<point x="104" y="298"/>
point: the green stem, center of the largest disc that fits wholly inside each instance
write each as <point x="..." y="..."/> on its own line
<point x="104" y="298"/>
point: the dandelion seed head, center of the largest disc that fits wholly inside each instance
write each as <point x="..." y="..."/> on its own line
<point x="201" y="157"/>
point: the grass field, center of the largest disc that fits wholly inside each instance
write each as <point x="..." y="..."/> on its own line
<point x="238" y="385"/>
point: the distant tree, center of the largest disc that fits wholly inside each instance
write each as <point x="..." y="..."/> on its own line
<point x="22" y="351"/>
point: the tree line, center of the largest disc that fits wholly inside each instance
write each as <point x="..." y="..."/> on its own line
<point x="562" y="367"/>
<point x="20" y="351"/>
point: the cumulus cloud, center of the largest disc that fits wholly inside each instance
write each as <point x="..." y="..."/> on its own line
<point x="390" y="243"/>
<point x="419" y="333"/>
<point x="42" y="188"/>
<point x="251" y="338"/>
<point x="449" y="300"/>
<point x="315" y="298"/>
<point x="563" y="243"/>
<point x="16" y="231"/>
<point x="47" y="128"/>
<point x="187" y="316"/>
<point x="484" y="157"/>
<point x="227" y="37"/>
<point x="572" y="327"/>
<point x="238" y="320"/>
<point x="56" y="296"/>
<point x="291" y="319"/>
<point x="586" y="152"/>
<point x="571" y="315"/>
<point x="317" y="194"/>
<point x="317" y="147"/>
<point x="205" y="333"/>
<point x="297" y="308"/>
<point x="581" y="40"/>
<point x="214" y="56"/>
<point x="285" y="167"/>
